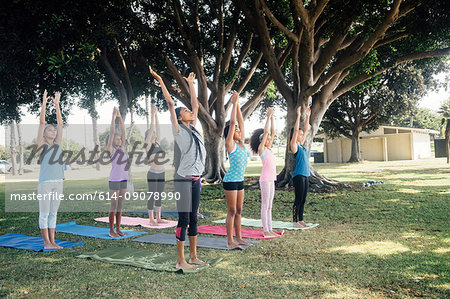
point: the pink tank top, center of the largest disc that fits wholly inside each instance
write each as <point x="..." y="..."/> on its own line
<point x="269" y="171"/>
<point x="119" y="163"/>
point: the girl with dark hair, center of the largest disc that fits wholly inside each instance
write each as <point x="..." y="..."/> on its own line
<point x="260" y="143"/>
<point x="156" y="173"/>
<point x="51" y="174"/>
<point x="301" y="171"/>
<point x="188" y="170"/>
<point x="233" y="181"/>
<point x="118" y="177"/>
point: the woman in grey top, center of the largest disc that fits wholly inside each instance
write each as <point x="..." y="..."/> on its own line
<point x="189" y="161"/>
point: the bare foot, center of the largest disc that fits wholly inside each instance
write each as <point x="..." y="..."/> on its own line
<point x="162" y="221"/>
<point x="298" y="225"/>
<point x="303" y="223"/>
<point x="185" y="266"/>
<point x="113" y="234"/>
<point x="274" y="234"/>
<point x="196" y="261"/>
<point x="234" y="246"/>
<point x="267" y="234"/>
<point x="200" y="215"/>
<point x="153" y="222"/>
<point x="50" y="246"/>
<point x="243" y="242"/>
<point x="120" y="233"/>
<point x="57" y="246"/>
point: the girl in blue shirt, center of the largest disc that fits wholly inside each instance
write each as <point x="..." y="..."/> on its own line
<point x="301" y="171"/>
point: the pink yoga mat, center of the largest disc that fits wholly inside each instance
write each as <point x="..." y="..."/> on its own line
<point x="135" y="221"/>
<point x="246" y="232"/>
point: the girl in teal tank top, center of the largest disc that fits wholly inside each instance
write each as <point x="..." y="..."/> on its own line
<point x="51" y="174"/>
<point x="301" y="172"/>
<point x="233" y="181"/>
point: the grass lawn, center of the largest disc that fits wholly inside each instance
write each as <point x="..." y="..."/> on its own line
<point x="388" y="240"/>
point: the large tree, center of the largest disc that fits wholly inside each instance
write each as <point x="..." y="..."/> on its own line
<point x="397" y="92"/>
<point x="329" y="37"/>
<point x="211" y="39"/>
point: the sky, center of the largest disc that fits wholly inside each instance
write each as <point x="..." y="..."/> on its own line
<point x="433" y="100"/>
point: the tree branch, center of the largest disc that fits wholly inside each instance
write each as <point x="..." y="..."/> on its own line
<point x="277" y="23"/>
<point x="390" y="39"/>
<point x="410" y="57"/>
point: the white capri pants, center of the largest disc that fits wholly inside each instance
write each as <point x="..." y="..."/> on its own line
<point x="49" y="203"/>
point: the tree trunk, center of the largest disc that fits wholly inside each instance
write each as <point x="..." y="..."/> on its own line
<point x="447" y="140"/>
<point x="215" y="158"/>
<point x="356" y="152"/>
<point x="317" y="182"/>
<point x="13" y="147"/>
<point x="284" y="178"/>
<point x="96" y="140"/>
<point x="19" y="136"/>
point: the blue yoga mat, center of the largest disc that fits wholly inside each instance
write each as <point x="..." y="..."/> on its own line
<point x="92" y="231"/>
<point x="20" y="241"/>
<point x="173" y="214"/>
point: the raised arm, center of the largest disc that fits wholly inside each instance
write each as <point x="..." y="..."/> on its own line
<point x="194" y="102"/>
<point x="148" y="139"/>
<point x="122" y="128"/>
<point x="112" y="130"/>
<point x="158" y="128"/>
<point x="229" y="142"/>
<point x="306" y="125"/>
<point x="293" y="143"/>
<point x="240" y="119"/>
<point x="59" y="121"/>
<point x="266" y="132"/>
<point x="169" y="100"/>
<point x="272" y="130"/>
<point x="40" y="136"/>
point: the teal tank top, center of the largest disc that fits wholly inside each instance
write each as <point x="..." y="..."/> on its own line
<point x="301" y="162"/>
<point x="52" y="165"/>
<point x="238" y="163"/>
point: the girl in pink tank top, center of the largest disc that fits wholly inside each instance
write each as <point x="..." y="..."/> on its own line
<point x="260" y="143"/>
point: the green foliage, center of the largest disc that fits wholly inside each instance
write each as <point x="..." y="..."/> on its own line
<point x="395" y="95"/>
<point x="422" y="118"/>
<point x="2" y="152"/>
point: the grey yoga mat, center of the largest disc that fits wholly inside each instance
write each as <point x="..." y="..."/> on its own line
<point x="207" y="242"/>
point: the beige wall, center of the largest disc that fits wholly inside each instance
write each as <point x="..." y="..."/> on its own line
<point x="334" y="151"/>
<point x="372" y="149"/>
<point x="399" y="147"/>
<point x="422" y="146"/>
<point x="346" y="149"/>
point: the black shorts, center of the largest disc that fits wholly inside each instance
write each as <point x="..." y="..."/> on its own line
<point x="118" y="185"/>
<point x="233" y="185"/>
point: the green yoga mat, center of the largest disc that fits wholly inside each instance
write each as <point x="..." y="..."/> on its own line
<point x="275" y="224"/>
<point x="143" y="258"/>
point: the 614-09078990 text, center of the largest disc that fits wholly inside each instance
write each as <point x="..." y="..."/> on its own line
<point x="96" y="196"/>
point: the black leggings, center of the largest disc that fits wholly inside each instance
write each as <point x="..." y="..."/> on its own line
<point x="301" y="190"/>
<point x="156" y="183"/>
<point x="187" y="206"/>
